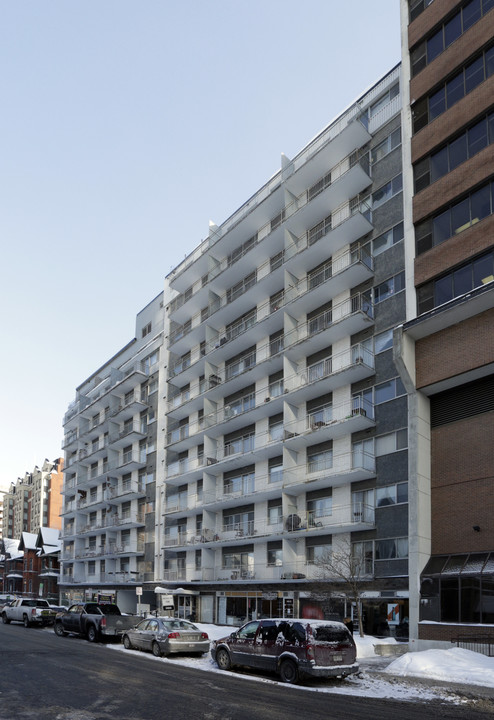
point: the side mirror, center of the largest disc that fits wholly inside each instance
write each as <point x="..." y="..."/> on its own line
<point x="233" y="636"/>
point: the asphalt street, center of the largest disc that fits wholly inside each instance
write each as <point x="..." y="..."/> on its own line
<point x="44" y="677"/>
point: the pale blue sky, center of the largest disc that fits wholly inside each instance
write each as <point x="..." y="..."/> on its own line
<point x="125" y="127"/>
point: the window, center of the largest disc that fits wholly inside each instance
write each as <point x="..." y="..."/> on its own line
<point x="276" y="261"/>
<point x="91" y="567"/>
<point x="363" y="454"/>
<point x="240" y="363"/>
<point x="240" y="325"/>
<point x="275" y="515"/>
<point x="149" y="361"/>
<point x="319" y="460"/>
<point x="363" y="502"/>
<point x="318" y="554"/>
<point x="392" y="494"/>
<point x="388" y="239"/>
<point x="384" y="100"/>
<point x="277" y="220"/>
<point x="319" y="230"/>
<point x="274" y="556"/>
<point x="388" y="390"/>
<point x="146" y="330"/>
<point x="387" y="191"/>
<point x="363" y="555"/>
<point x="242" y="482"/>
<point x="455" y="219"/>
<point x="391" y="442"/>
<point x="276" y="428"/>
<point x="447" y="158"/>
<point x="241" y="250"/>
<point x="389" y="287"/>
<point x="386" y="146"/>
<point x="319" y="186"/>
<point x="466" y="80"/>
<point x="383" y="341"/>
<point x="392" y="549"/>
<point x="319" y="508"/>
<point x="469" y="276"/>
<point x="275" y="470"/>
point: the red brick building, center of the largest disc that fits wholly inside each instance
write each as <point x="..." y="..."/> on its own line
<point x="446" y="348"/>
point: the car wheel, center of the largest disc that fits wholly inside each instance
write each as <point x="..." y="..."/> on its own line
<point x="126" y="642"/>
<point x="92" y="634"/>
<point x="223" y="659"/>
<point x="288" y="671"/>
<point x="5" y="619"/>
<point x="25" y="620"/>
<point x="156" y="649"/>
<point x="58" y="627"/>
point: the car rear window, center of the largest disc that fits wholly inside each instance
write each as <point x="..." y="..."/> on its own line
<point x="327" y="633"/>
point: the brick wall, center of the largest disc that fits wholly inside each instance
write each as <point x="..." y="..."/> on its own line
<point x="457" y="349"/>
<point x="462" y="485"/>
<point x="446" y="632"/>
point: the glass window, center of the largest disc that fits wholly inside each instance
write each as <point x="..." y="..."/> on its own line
<point x="477" y="137"/>
<point x="474" y="74"/>
<point x="439" y="164"/>
<point x="383" y="341"/>
<point x="437" y="104"/>
<point x="458" y="152"/>
<point x="471" y="13"/>
<point x="455" y="90"/>
<point x="452" y="30"/>
<point x="384" y="392"/>
<point x="489" y="62"/>
<point x="462" y="281"/>
<point x="481" y="204"/>
<point x="460" y="216"/>
<point x="443" y="290"/>
<point x="483" y="270"/>
<point x="435" y="45"/>
<point x="441" y="227"/>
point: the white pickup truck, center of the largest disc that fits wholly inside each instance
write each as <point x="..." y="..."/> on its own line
<point x="29" y="612"/>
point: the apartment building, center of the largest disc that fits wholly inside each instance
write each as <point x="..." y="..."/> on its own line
<point x="34" y="501"/>
<point x="445" y="351"/>
<point x="286" y="417"/>
<point x="110" y="471"/>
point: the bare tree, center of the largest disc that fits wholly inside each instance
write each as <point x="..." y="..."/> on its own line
<point x="346" y="567"/>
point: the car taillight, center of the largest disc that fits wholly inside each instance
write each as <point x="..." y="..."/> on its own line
<point x="310" y="652"/>
<point x="103" y="622"/>
<point x="205" y="636"/>
<point x="33" y="612"/>
<point x="173" y="635"/>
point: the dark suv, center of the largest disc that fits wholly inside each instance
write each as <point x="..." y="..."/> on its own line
<point x="292" y="648"/>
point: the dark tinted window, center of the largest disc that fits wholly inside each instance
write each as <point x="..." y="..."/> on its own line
<point x="327" y="633"/>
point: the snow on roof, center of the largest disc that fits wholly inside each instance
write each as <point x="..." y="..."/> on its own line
<point x="51" y="549"/>
<point x="28" y="541"/>
<point x="12" y="548"/>
<point x="49" y="536"/>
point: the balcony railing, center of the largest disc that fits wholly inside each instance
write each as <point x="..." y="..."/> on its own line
<point x="340" y="518"/>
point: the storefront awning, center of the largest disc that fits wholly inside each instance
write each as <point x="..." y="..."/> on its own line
<point x="175" y="591"/>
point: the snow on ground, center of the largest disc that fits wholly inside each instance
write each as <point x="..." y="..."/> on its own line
<point x="454" y="666"/>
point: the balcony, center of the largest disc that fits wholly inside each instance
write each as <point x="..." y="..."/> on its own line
<point x="127" y="407"/>
<point x="126" y="491"/>
<point x="130" y="461"/>
<point x="187" y="466"/>
<point x="338" y="470"/>
<point x="127" y="435"/>
<point x="343" y="518"/>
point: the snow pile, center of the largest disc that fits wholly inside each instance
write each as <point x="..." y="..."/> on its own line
<point x="366" y="645"/>
<point x="455" y="665"/>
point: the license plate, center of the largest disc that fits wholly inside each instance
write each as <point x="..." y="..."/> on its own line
<point x="338" y="658"/>
<point x="191" y="645"/>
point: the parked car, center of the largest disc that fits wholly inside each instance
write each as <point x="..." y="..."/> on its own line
<point x="94" y="621"/>
<point x="29" y="612"/>
<point x="291" y="648"/>
<point x="166" y="635"/>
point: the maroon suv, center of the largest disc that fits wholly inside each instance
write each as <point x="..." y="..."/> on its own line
<point x="292" y="648"/>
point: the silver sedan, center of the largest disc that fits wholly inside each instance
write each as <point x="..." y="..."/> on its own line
<point x="163" y="636"/>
